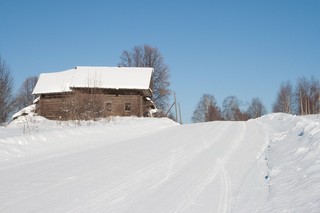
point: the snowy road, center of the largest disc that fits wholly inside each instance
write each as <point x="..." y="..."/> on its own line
<point x="188" y="168"/>
<point x="207" y="167"/>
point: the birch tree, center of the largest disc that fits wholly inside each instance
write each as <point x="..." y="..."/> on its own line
<point x="256" y="108"/>
<point x="302" y="96"/>
<point x="206" y="110"/>
<point x="231" y="109"/>
<point x="314" y="96"/>
<point x="284" y="100"/>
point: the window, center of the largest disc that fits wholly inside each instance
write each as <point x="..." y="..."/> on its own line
<point x="127" y="107"/>
<point x="108" y="107"/>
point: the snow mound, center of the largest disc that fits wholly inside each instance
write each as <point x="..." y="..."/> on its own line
<point x="25" y="111"/>
<point x="293" y="161"/>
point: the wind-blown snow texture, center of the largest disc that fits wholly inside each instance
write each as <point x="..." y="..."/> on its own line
<point x="270" y="164"/>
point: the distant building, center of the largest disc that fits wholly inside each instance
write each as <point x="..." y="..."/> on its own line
<point x="92" y="92"/>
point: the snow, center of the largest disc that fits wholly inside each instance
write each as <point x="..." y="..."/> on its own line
<point x="94" y="77"/>
<point x="269" y="164"/>
<point x="24" y="111"/>
<point x="112" y="77"/>
<point x="36" y="100"/>
<point x="54" y="82"/>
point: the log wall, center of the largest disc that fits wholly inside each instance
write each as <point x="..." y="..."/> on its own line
<point x="72" y="106"/>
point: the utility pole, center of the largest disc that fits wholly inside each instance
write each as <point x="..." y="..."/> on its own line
<point x="180" y="113"/>
<point x="175" y="106"/>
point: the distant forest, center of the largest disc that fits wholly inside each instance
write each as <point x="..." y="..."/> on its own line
<point x="303" y="98"/>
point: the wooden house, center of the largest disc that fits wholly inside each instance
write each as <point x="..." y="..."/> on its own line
<point x="92" y="92"/>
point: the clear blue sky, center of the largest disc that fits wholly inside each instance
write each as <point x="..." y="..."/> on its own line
<point x="241" y="48"/>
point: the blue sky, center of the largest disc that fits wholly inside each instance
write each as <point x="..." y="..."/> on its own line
<point x="241" y="48"/>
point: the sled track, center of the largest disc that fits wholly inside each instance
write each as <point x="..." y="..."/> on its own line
<point x="225" y="199"/>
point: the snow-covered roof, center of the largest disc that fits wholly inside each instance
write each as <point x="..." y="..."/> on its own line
<point x="94" y="77"/>
<point x="54" y="82"/>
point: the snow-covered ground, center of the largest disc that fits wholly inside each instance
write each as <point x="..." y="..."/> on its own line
<point x="270" y="164"/>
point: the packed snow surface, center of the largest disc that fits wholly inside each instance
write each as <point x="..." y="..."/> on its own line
<point x="270" y="164"/>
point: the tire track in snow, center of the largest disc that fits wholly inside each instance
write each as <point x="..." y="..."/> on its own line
<point x="181" y="158"/>
<point x="194" y="193"/>
<point x="235" y="143"/>
<point x="121" y="197"/>
<point x="208" y="147"/>
<point x="225" y="199"/>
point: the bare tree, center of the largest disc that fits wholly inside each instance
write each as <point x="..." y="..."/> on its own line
<point x="307" y="96"/>
<point x="302" y="96"/>
<point x="24" y="96"/>
<point x="314" y="96"/>
<point x="148" y="56"/>
<point x="206" y="110"/>
<point x="284" y="101"/>
<point x="256" y="108"/>
<point x="231" y="109"/>
<point x="214" y="113"/>
<point x="6" y="86"/>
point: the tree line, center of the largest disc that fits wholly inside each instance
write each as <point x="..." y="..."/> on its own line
<point x="301" y="99"/>
<point x="207" y="109"/>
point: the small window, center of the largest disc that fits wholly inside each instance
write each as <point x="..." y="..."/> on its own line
<point x="127" y="107"/>
<point x="108" y="107"/>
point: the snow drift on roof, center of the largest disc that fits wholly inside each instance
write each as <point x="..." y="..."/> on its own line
<point x="94" y="77"/>
<point x="54" y="82"/>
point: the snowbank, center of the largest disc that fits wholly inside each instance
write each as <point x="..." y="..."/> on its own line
<point x="29" y="136"/>
<point x="25" y="111"/>
<point x="293" y="161"/>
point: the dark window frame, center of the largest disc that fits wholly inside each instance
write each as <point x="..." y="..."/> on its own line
<point x="127" y="107"/>
<point x="109" y="107"/>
